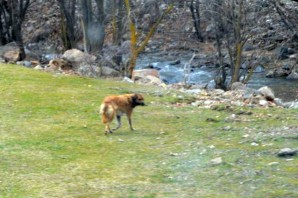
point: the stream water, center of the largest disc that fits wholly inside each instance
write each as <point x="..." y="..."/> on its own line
<point x="287" y="90"/>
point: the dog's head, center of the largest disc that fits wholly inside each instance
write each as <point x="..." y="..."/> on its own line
<point x="137" y="99"/>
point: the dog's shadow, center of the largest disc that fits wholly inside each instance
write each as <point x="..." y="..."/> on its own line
<point x="129" y="133"/>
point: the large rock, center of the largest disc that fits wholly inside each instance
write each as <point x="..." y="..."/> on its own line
<point x="238" y="86"/>
<point x="278" y="72"/>
<point x="287" y="152"/>
<point x="267" y="93"/>
<point x="284" y="52"/>
<point x="10" y="52"/>
<point x="143" y="73"/>
<point x="290" y="105"/>
<point x="12" y="56"/>
<point x="76" y="57"/>
<point x="112" y="57"/>
<point x="82" y="63"/>
<point x="147" y="76"/>
<point x="107" y="71"/>
<point x="293" y="76"/>
<point x="154" y="80"/>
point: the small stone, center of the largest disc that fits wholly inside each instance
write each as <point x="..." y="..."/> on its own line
<point x="174" y="154"/>
<point x="208" y="102"/>
<point x="126" y="79"/>
<point x="231" y="118"/>
<point x="292" y="76"/>
<point x="19" y="62"/>
<point x="278" y="102"/>
<point x="216" y="161"/>
<point x="273" y="163"/>
<point x="38" y="67"/>
<point x="263" y="103"/>
<point x="203" y="152"/>
<point x="197" y="103"/>
<point x="27" y="63"/>
<point x="227" y="128"/>
<point x="218" y="92"/>
<point x="237" y="103"/>
<point x="287" y="152"/>
<point x="193" y="91"/>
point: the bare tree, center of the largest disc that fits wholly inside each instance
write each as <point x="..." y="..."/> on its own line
<point x="68" y="11"/>
<point x="117" y="21"/>
<point x="196" y="17"/>
<point x="12" y="15"/>
<point x="137" y="45"/>
<point x="229" y="18"/>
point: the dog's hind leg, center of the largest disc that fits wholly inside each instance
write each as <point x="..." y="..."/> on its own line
<point x="118" y="122"/>
<point x="107" y="117"/>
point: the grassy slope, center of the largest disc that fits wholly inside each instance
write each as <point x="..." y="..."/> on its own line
<point x="53" y="145"/>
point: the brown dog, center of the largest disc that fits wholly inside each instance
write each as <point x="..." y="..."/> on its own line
<point x="117" y="106"/>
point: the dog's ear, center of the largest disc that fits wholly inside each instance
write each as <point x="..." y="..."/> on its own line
<point x="134" y="97"/>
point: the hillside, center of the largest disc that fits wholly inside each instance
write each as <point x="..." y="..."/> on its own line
<point x="42" y="28"/>
<point x="53" y="144"/>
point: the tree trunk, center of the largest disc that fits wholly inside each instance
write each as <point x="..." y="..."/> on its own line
<point x="67" y="23"/>
<point x="117" y="21"/>
<point x="2" y="34"/>
<point x="18" y="10"/>
<point x="239" y="41"/>
<point x="195" y="13"/>
<point x="5" y="22"/>
<point x="220" y="79"/>
<point x="17" y="37"/>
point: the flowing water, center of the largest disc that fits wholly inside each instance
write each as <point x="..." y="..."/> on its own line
<point x="284" y="89"/>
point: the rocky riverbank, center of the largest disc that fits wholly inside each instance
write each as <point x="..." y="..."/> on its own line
<point x="196" y="95"/>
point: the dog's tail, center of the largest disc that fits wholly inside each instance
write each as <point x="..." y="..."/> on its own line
<point x="107" y="113"/>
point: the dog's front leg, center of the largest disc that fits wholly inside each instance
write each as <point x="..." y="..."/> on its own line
<point x="118" y="122"/>
<point x="107" y="129"/>
<point x="129" y="120"/>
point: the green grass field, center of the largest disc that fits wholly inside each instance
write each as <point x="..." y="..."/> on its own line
<point x="52" y="144"/>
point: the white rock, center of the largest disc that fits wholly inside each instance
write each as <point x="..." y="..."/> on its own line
<point x="216" y="161"/>
<point x="273" y="163"/>
<point x="267" y="93"/>
<point x="263" y="103"/>
<point x="126" y="79"/>
<point x="193" y="91"/>
<point x="38" y="67"/>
